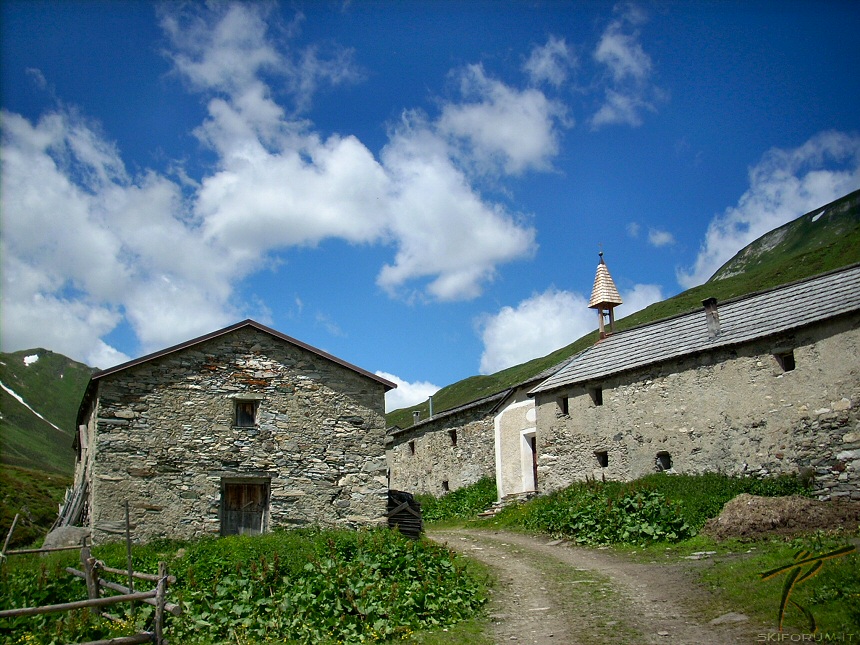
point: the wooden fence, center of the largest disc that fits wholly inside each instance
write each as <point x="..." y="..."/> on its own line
<point x="92" y="570"/>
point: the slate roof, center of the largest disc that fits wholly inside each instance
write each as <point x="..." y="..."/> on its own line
<point x="741" y="320"/>
<point x="497" y="397"/>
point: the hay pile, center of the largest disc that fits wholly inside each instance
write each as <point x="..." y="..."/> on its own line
<point x="749" y="517"/>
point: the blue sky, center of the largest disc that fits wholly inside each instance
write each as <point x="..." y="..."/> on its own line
<point x="420" y="188"/>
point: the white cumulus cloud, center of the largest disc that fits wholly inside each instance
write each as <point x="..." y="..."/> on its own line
<point x="90" y="245"/>
<point x="784" y="185"/>
<point x="406" y="393"/>
<point x="659" y="238"/>
<point x="629" y="90"/>
<point x="546" y="322"/>
<point x="551" y="62"/>
<point x="503" y="127"/>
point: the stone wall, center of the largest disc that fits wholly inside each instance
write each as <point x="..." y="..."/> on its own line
<point x="736" y="411"/>
<point x="425" y="459"/>
<point x="165" y="438"/>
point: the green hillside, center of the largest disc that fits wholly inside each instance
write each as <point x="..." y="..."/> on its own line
<point x="51" y="386"/>
<point x="825" y="239"/>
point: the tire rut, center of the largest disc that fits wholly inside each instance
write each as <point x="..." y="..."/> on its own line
<point x="551" y="592"/>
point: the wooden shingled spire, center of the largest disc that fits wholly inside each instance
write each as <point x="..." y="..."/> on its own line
<point x="604" y="297"/>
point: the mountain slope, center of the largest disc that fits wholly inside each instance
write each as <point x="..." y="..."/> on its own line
<point x="824" y="239"/>
<point x="39" y="400"/>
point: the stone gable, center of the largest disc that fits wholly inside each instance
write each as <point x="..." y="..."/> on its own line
<point x="165" y="436"/>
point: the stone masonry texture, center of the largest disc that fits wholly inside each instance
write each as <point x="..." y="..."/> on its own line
<point x="436" y="458"/>
<point x="165" y="439"/>
<point x="735" y="411"/>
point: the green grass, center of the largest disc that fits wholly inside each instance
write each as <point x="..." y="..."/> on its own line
<point x="461" y="504"/>
<point x="307" y="586"/>
<point x="807" y="248"/>
<point x="656" y="508"/>
<point x="53" y="386"/>
<point x="832" y="596"/>
<point x="467" y="632"/>
<point x="35" y="496"/>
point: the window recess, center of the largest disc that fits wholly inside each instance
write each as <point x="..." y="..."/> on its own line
<point x="663" y="461"/>
<point x="563" y="405"/>
<point x="785" y="359"/>
<point x="246" y="413"/>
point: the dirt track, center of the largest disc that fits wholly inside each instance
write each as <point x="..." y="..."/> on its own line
<point x="550" y="592"/>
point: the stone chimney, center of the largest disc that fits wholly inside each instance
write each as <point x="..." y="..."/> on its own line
<point x="604" y="297"/>
<point x="416" y="416"/>
<point x="712" y="316"/>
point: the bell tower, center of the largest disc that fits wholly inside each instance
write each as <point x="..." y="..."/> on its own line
<point x="604" y="297"/>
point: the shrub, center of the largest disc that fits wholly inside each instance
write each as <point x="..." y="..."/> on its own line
<point x="309" y="586"/>
<point x="463" y="503"/>
<point x="703" y="496"/>
<point x="593" y="513"/>
<point x="658" y="507"/>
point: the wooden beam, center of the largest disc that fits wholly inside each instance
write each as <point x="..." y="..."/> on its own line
<point x="79" y="604"/>
<point x="48" y="550"/>
<point x="151" y="577"/>
<point x="143" y="637"/>
<point x="176" y="610"/>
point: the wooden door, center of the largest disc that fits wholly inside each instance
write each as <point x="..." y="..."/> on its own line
<point x="243" y="508"/>
<point x="533" y="442"/>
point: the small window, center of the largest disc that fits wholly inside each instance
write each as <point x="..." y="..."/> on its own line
<point x="785" y="360"/>
<point x="602" y="458"/>
<point x="411" y="447"/>
<point x="453" y="435"/>
<point x="596" y="395"/>
<point x="445" y="486"/>
<point x="664" y="461"/>
<point x="246" y="414"/>
<point x="563" y="405"/>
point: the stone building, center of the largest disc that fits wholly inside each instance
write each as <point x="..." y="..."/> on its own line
<point x="759" y="385"/>
<point x="238" y="431"/>
<point x="445" y="452"/>
<point x="500" y="431"/>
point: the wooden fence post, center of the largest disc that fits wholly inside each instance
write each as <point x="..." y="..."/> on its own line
<point x="9" y="535"/>
<point x="92" y="576"/>
<point x="160" y="593"/>
<point x="128" y="548"/>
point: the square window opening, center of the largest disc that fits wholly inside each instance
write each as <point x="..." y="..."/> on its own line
<point x="786" y="360"/>
<point x="596" y="394"/>
<point x="564" y="405"/>
<point x="246" y="414"/>
<point x="663" y="461"/>
<point x="602" y="458"/>
<point x="445" y="486"/>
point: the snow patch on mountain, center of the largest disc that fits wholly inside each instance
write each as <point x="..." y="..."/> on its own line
<point x="24" y="403"/>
